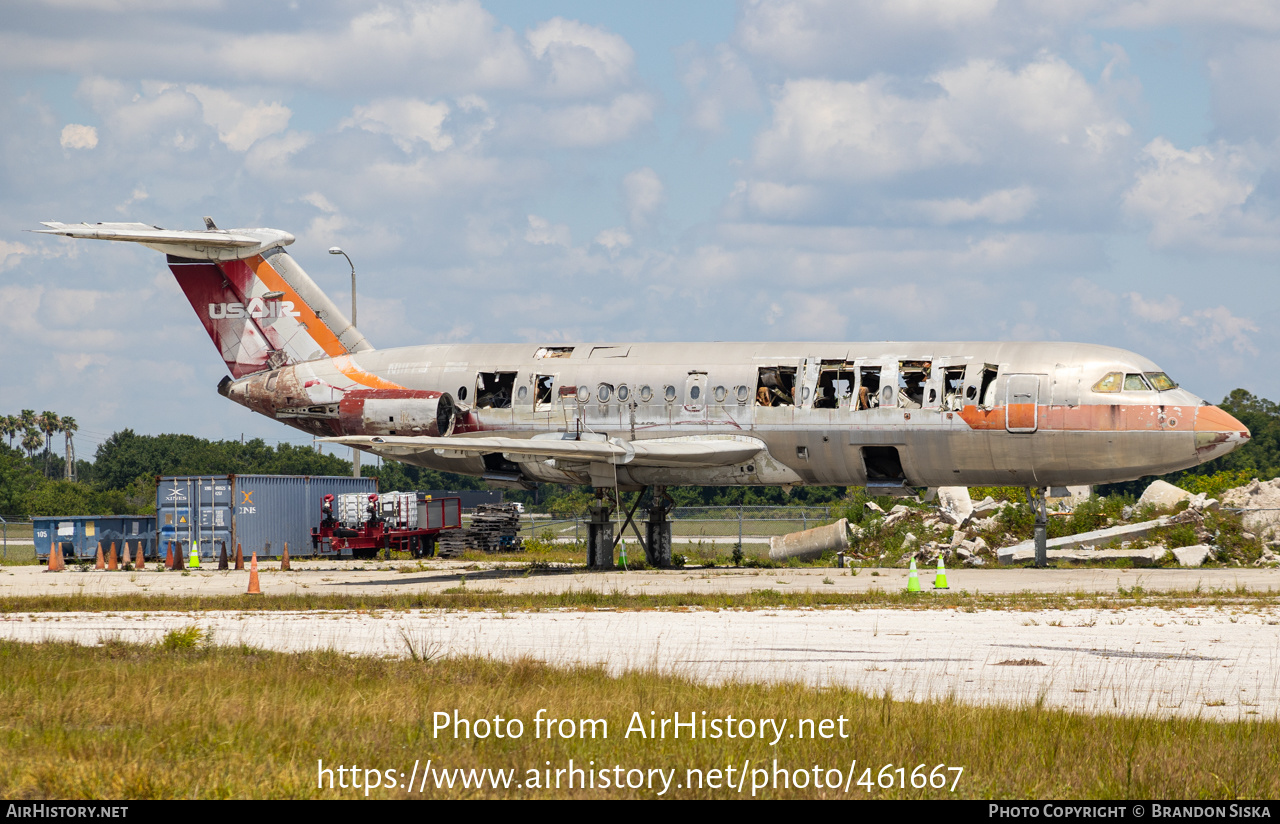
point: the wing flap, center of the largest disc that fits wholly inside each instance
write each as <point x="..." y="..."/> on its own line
<point x="699" y="452"/>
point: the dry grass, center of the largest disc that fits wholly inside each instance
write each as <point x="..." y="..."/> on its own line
<point x="189" y="720"/>
<point x="483" y="594"/>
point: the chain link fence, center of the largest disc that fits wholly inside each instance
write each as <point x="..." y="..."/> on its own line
<point x="712" y="524"/>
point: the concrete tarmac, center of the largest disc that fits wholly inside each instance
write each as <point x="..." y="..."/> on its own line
<point x="377" y="578"/>
<point x="1220" y="663"/>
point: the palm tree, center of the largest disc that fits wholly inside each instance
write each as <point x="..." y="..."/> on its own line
<point x="9" y="426"/>
<point x="27" y="419"/>
<point x="50" y="425"/>
<point x="68" y="428"/>
<point x="31" y="442"/>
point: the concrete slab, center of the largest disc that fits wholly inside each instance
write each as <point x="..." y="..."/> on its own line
<point x="353" y="578"/>
<point x="1206" y="662"/>
<point x="1192" y="556"/>
<point x="1097" y="537"/>
<point x="1141" y="557"/>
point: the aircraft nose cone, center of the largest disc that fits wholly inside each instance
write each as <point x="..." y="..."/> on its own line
<point x="1217" y="433"/>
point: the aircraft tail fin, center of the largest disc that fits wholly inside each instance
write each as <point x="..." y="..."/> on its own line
<point x="259" y="307"/>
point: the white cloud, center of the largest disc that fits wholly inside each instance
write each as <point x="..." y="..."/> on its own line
<point x="614" y="240"/>
<point x="12" y="253"/>
<point x="1217" y="324"/>
<point x="1157" y="311"/>
<point x="718" y="84"/>
<point x="1250" y="15"/>
<point x="1200" y="198"/>
<point x="436" y="46"/>
<point x="587" y="125"/>
<point x="320" y="202"/>
<point x="1003" y="206"/>
<point x="543" y="233"/>
<point x="240" y="124"/>
<point x="643" y="192"/>
<point x="408" y="122"/>
<point x="981" y="111"/>
<point x="582" y="59"/>
<point x="76" y="136"/>
<point x="1197" y="332"/>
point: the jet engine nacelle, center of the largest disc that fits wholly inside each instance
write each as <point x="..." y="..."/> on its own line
<point x="398" y="412"/>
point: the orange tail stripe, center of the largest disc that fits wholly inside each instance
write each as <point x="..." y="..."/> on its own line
<point x="316" y="329"/>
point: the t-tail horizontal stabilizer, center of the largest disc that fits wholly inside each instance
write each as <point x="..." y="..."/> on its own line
<point x="258" y="306"/>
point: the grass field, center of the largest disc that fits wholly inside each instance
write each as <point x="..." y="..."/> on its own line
<point x="183" y="719"/>
<point x="476" y="596"/>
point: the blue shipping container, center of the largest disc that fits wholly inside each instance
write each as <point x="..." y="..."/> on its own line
<point x="78" y="535"/>
<point x="259" y="512"/>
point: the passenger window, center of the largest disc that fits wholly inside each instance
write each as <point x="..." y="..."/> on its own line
<point x="835" y="386"/>
<point x="869" y="388"/>
<point x="776" y="386"/>
<point x="988" y="389"/>
<point x="912" y="376"/>
<point x="494" y="389"/>
<point x="1135" y="383"/>
<point x="1161" y="381"/>
<point x="1110" y="382"/>
<point x="952" y="386"/>
<point x="543" y="384"/>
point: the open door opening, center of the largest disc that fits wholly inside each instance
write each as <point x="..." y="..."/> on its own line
<point x="884" y="466"/>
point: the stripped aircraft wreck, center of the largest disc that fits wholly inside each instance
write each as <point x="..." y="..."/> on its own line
<point x="890" y="416"/>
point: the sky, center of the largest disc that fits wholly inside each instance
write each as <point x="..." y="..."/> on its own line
<point x="1102" y="171"/>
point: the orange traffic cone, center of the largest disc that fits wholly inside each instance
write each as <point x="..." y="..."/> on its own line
<point x="168" y="555"/>
<point x="100" y="564"/>
<point x="127" y="560"/>
<point x="239" y="557"/>
<point x="254" y="589"/>
<point x="177" y="558"/>
<point x="284" y="560"/>
<point x="56" y="564"/>
<point x="112" y="566"/>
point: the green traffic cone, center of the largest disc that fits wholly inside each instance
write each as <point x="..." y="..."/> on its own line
<point x="913" y="578"/>
<point x="194" y="563"/>
<point x="940" y="577"/>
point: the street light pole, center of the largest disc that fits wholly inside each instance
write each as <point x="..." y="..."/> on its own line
<point x="337" y="250"/>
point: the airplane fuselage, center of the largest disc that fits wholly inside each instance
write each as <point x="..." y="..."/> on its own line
<point x="880" y="414"/>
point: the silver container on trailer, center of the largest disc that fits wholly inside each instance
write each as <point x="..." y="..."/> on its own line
<point x="260" y="512"/>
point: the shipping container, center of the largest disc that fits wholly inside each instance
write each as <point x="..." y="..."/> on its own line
<point x="78" y="535"/>
<point x="259" y="512"/>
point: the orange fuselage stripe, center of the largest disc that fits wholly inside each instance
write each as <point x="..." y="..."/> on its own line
<point x="1086" y="418"/>
<point x="346" y="366"/>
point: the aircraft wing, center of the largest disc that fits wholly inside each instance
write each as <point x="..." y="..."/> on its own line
<point x="683" y="452"/>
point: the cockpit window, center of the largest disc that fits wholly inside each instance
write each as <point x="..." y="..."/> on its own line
<point x="1134" y="382"/>
<point x="1110" y="382"/>
<point x="1161" y="381"/>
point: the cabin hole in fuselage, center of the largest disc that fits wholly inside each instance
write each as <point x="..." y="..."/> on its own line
<point x="494" y="389"/>
<point x="883" y="463"/>
<point x="776" y="386"/>
<point x="869" y="388"/>
<point x="952" y="387"/>
<point x="912" y="376"/>
<point x="987" y="390"/>
<point x="835" y="386"/>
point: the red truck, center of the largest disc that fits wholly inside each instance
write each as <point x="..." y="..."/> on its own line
<point x="395" y="521"/>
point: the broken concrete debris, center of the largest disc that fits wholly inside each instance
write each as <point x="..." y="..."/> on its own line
<point x="1163" y="495"/>
<point x="811" y="543"/>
